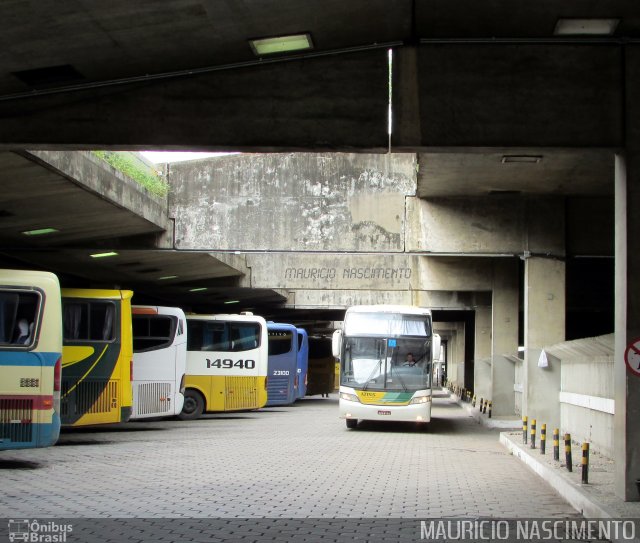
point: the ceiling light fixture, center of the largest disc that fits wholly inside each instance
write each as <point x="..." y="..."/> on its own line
<point x="281" y="44"/>
<point x="527" y="159"/>
<point x="104" y="255"/>
<point x="233" y="302"/>
<point x="167" y="277"/>
<point x="40" y="231"/>
<point x="199" y="289"/>
<point x="586" y="27"/>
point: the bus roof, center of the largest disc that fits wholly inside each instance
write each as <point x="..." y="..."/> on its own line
<point x="227" y="317"/>
<point x="388" y="308"/>
<point x="97" y="293"/>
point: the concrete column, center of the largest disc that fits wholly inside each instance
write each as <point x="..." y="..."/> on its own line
<point x="504" y="338"/>
<point x="544" y="324"/>
<point x="627" y="284"/>
<point x="627" y="328"/>
<point x="482" y="354"/>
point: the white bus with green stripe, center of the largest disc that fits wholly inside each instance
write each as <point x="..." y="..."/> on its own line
<point x="386" y="356"/>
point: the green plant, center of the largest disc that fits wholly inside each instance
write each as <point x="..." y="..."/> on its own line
<point x="134" y="168"/>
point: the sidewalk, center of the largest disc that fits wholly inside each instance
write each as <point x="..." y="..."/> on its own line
<point x="596" y="500"/>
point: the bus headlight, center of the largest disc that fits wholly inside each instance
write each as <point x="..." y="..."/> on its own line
<point x="349" y="397"/>
<point x="420" y="399"/>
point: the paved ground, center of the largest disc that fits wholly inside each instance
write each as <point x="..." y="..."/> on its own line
<point x="296" y="462"/>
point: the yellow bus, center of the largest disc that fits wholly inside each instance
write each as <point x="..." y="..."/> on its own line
<point x="227" y="361"/>
<point x="97" y="356"/>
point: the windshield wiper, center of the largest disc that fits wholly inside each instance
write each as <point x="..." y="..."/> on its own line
<point x="366" y="383"/>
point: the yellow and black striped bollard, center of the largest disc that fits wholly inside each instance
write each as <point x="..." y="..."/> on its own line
<point x="533" y="433"/>
<point x="556" y="444"/>
<point x="567" y="452"/>
<point x="543" y="439"/>
<point x="585" y="463"/>
<point x="484" y="409"/>
<point x="490" y="405"/>
<point x="524" y="430"/>
<point x="473" y="403"/>
<point x="480" y="405"/>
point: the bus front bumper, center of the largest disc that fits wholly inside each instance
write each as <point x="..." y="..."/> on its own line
<point x="410" y="413"/>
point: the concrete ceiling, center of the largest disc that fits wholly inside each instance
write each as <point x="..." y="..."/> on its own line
<point x="54" y="47"/>
<point x="482" y="172"/>
<point x="77" y="42"/>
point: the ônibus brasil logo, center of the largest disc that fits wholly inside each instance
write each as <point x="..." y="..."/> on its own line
<point x="38" y="531"/>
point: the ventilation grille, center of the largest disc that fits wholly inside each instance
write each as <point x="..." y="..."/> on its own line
<point x="278" y="388"/>
<point x="242" y="392"/>
<point x="89" y="397"/>
<point x="15" y="420"/>
<point x="153" y="398"/>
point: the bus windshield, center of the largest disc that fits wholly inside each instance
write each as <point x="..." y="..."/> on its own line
<point x="394" y="364"/>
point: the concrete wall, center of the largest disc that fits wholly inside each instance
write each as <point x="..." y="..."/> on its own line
<point x="490" y="225"/>
<point x="587" y="391"/>
<point x="285" y="202"/>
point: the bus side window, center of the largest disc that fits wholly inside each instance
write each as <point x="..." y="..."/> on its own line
<point x="18" y="314"/>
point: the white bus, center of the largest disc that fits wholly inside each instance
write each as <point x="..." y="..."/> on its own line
<point x="159" y="361"/>
<point x="227" y="364"/>
<point x="386" y="354"/>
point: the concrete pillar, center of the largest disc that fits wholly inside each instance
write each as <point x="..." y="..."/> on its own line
<point x="627" y="327"/>
<point x="544" y="324"/>
<point x="627" y="288"/>
<point x="482" y="353"/>
<point x="504" y="338"/>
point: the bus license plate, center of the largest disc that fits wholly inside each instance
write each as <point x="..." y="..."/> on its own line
<point x="384" y="412"/>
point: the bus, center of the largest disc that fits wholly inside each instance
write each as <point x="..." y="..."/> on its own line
<point x="159" y="361"/>
<point x="283" y="364"/>
<point x="30" y="359"/>
<point x="303" y="363"/>
<point x="385" y="354"/>
<point x="227" y="357"/>
<point x="97" y="356"/>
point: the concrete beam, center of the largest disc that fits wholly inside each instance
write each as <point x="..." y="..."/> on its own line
<point x="334" y="102"/>
<point x="509" y="94"/>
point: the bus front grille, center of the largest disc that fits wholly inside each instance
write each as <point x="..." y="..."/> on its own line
<point x="241" y="393"/>
<point x="153" y="398"/>
<point x="16" y="417"/>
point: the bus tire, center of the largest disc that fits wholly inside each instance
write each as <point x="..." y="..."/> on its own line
<point x="193" y="405"/>
<point x="351" y="423"/>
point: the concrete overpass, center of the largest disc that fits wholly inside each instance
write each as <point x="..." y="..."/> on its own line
<point x="470" y="82"/>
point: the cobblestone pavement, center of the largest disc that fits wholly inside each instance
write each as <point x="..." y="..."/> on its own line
<point x="297" y="462"/>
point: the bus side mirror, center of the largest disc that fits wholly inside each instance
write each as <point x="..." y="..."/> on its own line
<point x="436" y="346"/>
<point x="336" y="344"/>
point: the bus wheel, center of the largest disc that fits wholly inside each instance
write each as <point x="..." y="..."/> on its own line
<point x="193" y="405"/>
<point x="351" y="423"/>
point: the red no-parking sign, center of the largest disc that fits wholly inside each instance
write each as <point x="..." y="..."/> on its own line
<point x="632" y="357"/>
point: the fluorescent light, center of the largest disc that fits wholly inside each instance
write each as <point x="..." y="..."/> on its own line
<point x="167" y="277"/>
<point x="527" y="159"/>
<point x="233" y="302"/>
<point x="103" y="255"/>
<point x="586" y="27"/>
<point x="281" y="44"/>
<point x="199" y="289"/>
<point x="39" y="232"/>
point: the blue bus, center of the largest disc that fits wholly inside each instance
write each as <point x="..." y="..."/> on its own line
<point x="283" y="364"/>
<point x="30" y="359"/>
<point x="303" y="363"/>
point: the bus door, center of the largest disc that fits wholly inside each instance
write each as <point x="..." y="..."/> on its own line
<point x="96" y="357"/>
<point x="283" y="364"/>
<point x="30" y="359"/>
<point x="159" y="361"/>
<point x="303" y="363"/>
